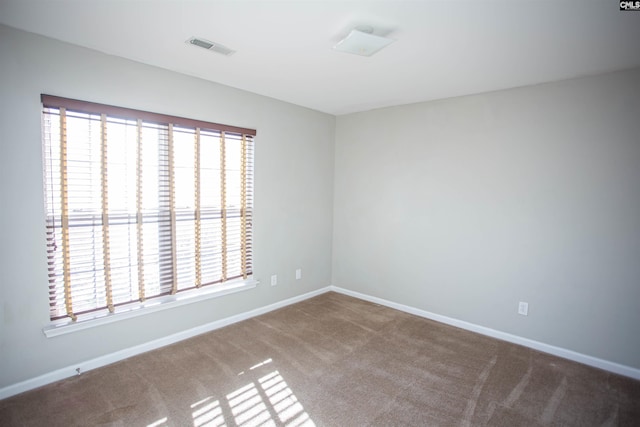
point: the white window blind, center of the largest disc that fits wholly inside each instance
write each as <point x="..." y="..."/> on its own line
<point x="141" y="205"/>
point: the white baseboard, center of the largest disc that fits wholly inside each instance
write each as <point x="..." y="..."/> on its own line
<point x="108" y="359"/>
<point x="536" y="345"/>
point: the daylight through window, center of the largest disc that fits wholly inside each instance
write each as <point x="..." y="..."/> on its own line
<point x="141" y="205"/>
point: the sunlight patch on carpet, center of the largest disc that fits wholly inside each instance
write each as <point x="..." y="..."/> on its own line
<point x="269" y="401"/>
<point x="160" y="422"/>
<point x="207" y="413"/>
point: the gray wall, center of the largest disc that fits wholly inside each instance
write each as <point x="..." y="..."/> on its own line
<point x="293" y="194"/>
<point x="463" y="207"/>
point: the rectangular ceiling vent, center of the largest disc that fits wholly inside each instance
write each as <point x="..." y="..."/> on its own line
<point x="214" y="47"/>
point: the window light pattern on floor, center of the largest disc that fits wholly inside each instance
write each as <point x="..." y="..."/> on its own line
<point x="269" y="401"/>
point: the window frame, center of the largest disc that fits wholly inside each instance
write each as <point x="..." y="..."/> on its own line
<point x="131" y="308"/>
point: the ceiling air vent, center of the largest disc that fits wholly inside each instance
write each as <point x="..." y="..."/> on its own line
<point x="214" y="47"/>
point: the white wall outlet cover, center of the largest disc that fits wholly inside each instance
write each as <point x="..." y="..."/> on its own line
<point x="523" y="308"/>
<point x="274" y="280"/>
<point x="299" y="274"/>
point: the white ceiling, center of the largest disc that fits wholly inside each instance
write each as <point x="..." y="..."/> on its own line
<point x="443" y="48"/>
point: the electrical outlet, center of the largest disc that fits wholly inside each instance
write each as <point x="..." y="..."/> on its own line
<point x="299" y="274"/>
<point x="274" y="280"/>
<point x="523" y="308"/>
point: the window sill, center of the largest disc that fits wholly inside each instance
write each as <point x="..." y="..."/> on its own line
<point x="67" y="326"/>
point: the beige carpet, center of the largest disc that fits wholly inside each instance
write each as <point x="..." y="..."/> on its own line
<point x="335" y="361"/>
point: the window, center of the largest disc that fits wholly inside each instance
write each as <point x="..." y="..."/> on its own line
<point x="141" y="205"/>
